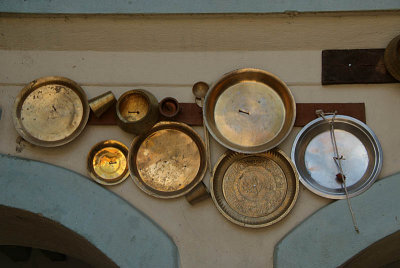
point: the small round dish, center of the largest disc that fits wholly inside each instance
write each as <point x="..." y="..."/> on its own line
<point x="249" y="111"/>
<point x="50" y="111"/>
<point x="168" y="160"/>
<point x="255" y="190"/>
<point x="107" y="162"/>
<point x="312" y="154"/>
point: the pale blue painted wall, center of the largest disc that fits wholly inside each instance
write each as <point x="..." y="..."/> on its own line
<point x="191" y="6"/>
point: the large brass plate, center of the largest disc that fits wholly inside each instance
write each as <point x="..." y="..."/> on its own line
<point x="107" y="162"/>
<point x="167" y="161"/>
<point x="249" y="111"/>
<point x="254" y="190"/>
<point x="51" y="111"/>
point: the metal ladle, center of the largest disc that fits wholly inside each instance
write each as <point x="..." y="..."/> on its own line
<point x="199" y="91"/>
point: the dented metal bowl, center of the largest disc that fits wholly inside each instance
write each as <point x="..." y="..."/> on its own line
<point x="249" y="111"/>
<point x="50" y="111"/>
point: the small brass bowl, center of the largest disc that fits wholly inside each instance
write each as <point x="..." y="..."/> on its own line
<point x="137" y="111"/>
<point x="107" y="162"/>
<point x="50" y="111"/>
<point x="249" y="111"/>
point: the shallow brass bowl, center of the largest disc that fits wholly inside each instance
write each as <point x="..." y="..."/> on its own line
<point x="168" y="160"/>
<point x="254" y="190"/>
<point x="249" y="111"/>
<point x="50" y="111"/>
<point x="107" y="162"/>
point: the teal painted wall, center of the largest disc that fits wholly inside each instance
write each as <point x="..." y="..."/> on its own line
<point x="191" y="6"/>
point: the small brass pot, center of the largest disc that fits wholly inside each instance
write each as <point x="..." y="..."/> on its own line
<point x="137" y="111"/>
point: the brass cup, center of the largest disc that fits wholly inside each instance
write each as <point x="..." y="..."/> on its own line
<point x="198" y="194"/>
<point x="102" y="103"/>
<point x="169" y="107"/>
<point x="137" y="111"/>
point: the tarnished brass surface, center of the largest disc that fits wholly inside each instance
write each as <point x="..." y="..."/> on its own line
<point x="51" y="111"/>
<point x="254" y="190"/>
<point x="107" y="162"/>
<point x="101" y="103"/>
<point x="137" y="111"/>
<point x="249" y="111"/>
<point x="167" y="161"/>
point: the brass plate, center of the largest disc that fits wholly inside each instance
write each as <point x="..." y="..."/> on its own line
<point x="50" y="111"/>
<point x="254" y="190"/>
<point x="249" y="111"/>
<point x="167" y="161"/>
<point x="107" y="162"/>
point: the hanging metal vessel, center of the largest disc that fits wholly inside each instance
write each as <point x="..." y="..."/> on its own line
<point x="107" y="162"/>
<point x="249" y="111"/>
<point x="168" y="160"/>
<point x="392" y="57"/>
<point x="50" y="111"/>
<point x="254" y="190"/>
<point x="137" y="111"/>
<point x="312" y="153"/>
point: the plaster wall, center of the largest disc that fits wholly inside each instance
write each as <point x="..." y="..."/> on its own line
<point x="166" y="55"/>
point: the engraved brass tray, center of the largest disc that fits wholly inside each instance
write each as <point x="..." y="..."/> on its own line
<point x="50" y="111"/>
<point x="167" y="161"/>
<point x="249" y="111"/>
<point x="312" y="153"/>
<point x="254" y="190"/>
<point x="107" y="162"/>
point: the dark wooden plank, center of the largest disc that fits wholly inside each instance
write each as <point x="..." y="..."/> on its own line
<point x="354" y="66"/>
<point x="306" y="111"/>
<point x="191" y="114"/>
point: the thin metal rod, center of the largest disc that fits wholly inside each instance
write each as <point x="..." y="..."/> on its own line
<point x="337" y="159"/>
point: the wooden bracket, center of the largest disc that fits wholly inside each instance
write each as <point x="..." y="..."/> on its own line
<point x="354" y="66"/>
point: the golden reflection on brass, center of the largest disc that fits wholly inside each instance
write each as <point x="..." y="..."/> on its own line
<point x="102" y="103"/>
<point x="50" y="111"/>
<point x="249" y="114"/>
<point x="249" y="111"/>
<point x="137" y="111"/>
<point x="134" y="107"/>
<point x="254" y="190"/>
<point x="168" y="161"/>
<point x="107" y="162"/>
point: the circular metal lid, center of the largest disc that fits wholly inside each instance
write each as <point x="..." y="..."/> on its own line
<point x="168" y="160"/>
<point x="312" y="153"/>
<point x="254" y="190"/>
<point x="392" y="57"/>
<point x="249" y="111"/>
<point x="107" y="162"/>
<point x="50" y="111"/>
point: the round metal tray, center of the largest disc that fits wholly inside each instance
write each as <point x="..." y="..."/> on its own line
<point x="249" y="111"/>
<point x="107" y="162"/>
<point x="51" y="111"/>
<point x="254" y="190"/>
<point x="168" y="160"/>
<point x="312" y="153"/>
